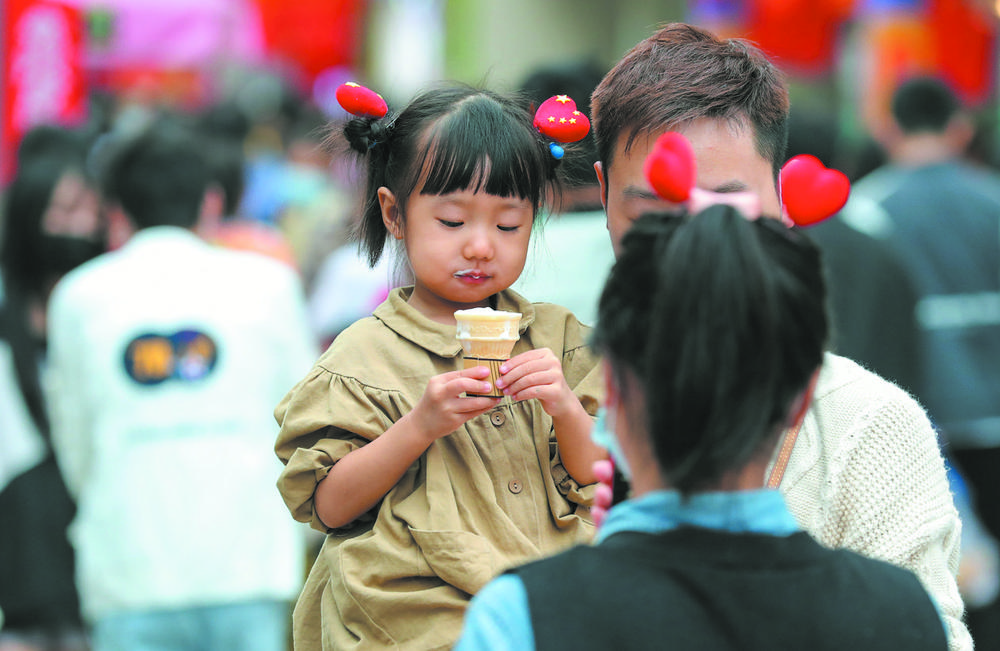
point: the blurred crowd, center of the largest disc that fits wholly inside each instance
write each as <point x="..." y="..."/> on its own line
<point x="283" y="190"/>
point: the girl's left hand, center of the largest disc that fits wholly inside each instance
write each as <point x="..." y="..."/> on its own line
<point x="537" y="374"/>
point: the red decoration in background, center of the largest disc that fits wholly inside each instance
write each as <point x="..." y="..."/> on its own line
<point x="963" y="36"/>
<point x="42" y="77"/>
<point x="669" y="168"/>
<point x="800" y="35"/>
<point x="810" y="191"/>
<point x="313" y="34"/>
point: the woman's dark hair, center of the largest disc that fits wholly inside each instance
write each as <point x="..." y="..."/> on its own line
<point x="720" y="321"/>
<point x="26" y="201"/>
<point x="452" y="138"/>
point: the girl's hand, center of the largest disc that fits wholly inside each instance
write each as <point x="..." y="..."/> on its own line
<point x="538" y="374"/>
<point x="443" y="409"/>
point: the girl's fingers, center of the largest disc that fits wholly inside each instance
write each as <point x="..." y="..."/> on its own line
<point x="478" y="372"/>
<point x="541" y="381"/>
<point x="528" y="364"/>
<point x="462" y="385"/>
<point x="472" y="405"/>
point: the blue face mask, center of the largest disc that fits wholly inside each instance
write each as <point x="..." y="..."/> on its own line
<point x="603" y="434"/>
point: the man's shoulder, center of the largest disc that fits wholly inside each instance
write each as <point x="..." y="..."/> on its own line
<point x="91" y="277"/>
<point x="843" y="376"/>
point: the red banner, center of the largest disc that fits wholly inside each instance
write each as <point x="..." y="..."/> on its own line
<point x="42" y="77"/>
<point x="313" y="34"/>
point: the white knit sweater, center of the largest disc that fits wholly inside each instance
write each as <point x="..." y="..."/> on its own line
<point x="874" y="482"/>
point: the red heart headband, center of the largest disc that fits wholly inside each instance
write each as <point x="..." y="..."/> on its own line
<point x="558" y="119"/>
<point x="360" y="101"/>
<point x="810" y="192"/>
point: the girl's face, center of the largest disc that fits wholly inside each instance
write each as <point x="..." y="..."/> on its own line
<point x="463" y="247"/>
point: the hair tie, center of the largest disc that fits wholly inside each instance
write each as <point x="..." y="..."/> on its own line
<point x="360" y="101"/>
<point x="810" y="192"/>
<point x="559" y="120"/>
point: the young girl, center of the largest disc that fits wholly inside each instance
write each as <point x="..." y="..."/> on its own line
<point x="427" y="494"/>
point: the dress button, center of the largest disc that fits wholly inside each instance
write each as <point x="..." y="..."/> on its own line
<point x="514" y="486"/>
<point x="498" y="418"/>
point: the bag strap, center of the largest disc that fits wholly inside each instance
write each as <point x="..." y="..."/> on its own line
<point x="784" y="454"/>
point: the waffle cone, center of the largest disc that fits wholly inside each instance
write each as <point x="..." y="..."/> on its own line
<point x="487" y="337"/>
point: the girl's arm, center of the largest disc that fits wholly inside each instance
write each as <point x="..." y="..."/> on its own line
<point x="538" y="374"/>
<point x="360" y="479"/>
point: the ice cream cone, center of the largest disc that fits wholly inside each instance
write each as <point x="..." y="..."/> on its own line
<point x="487" y="337"/>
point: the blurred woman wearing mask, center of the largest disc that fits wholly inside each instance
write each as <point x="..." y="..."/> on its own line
<point x="51" y="223"/>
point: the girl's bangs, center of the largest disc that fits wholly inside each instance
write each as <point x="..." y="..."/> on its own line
<point x="462" y="155"/>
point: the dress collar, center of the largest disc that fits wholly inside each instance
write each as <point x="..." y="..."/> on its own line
<point x="435" y="337"/>
<point x="758" y="511"/>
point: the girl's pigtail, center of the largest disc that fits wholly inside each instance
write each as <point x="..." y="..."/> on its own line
<point x="367" y="134"/>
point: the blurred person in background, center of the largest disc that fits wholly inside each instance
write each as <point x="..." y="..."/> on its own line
<point x="942" y="214"/>
<point x="569" y="252"/>
<point x="222" y="129"/>
<point x="51" y="223"/>
<point x="871" y="292"/>
<point x="166" y="358"/>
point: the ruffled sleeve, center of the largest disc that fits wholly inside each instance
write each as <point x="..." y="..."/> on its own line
<point x="314" y="418"/>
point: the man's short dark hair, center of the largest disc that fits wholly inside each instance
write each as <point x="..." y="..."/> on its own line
<point x="923" y="104"/>
<point x="682" y="73"/>
<point x="158" y="177"/>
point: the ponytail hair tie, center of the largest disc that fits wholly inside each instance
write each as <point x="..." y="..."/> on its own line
<point x="810" y="192"/>
<point x="559" y="120"/>
<point x="361" y="102"/>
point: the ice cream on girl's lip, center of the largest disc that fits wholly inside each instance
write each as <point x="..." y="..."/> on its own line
<point x="471" y="274"/>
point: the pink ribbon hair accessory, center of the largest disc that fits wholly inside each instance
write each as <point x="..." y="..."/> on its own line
<point x="360" y="101"/>
<point x="810" y="191"/>
<point x="559" y="120"/>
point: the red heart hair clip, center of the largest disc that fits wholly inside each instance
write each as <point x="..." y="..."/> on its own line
<point x="558" y="119"/>
<point x="360" y="101"/>
<point x="670" y="171"/>
<point x="810" y="191"/>
<point x="669" y="168"/>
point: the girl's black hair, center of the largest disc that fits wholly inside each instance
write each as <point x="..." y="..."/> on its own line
<point x="452" y="137"/>
<point x="721" y="322"/>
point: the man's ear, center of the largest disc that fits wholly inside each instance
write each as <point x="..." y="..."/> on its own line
<point x="599" y="170"/>
<point x="120" y="226"/>
<point x="391" y="216"/>
<point x="210" y="215"/>
<point x="960" y="132"/>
